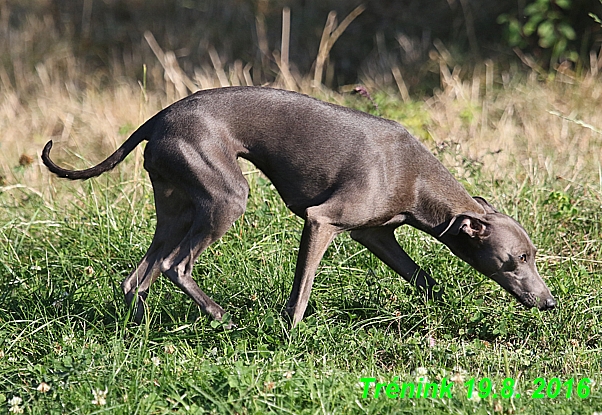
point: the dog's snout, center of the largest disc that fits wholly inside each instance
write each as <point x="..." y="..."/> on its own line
<point x="549" y="304"/>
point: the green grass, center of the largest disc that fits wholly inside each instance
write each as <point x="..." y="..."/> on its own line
<point x="63" y="322"/>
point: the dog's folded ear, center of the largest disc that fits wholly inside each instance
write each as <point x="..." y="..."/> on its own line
<point x="488" y="208"/>
<point x="469" y="223"/>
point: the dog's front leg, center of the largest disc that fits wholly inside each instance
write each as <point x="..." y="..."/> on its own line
<point x="382" y="243"/>
<point x="317" y="234"/>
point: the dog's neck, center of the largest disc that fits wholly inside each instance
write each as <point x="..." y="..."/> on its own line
<point x="438" y="203"/>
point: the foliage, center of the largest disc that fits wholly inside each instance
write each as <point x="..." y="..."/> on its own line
<point x="548" y="25"/>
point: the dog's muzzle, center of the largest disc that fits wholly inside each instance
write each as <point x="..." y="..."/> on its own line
<point x="531" y="300"/>
<point x="549" y="304"/>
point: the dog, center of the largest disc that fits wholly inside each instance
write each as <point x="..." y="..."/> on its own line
<point x="337" y="168"/>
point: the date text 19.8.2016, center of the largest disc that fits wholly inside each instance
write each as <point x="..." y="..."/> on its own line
<point x="485" y="387"/>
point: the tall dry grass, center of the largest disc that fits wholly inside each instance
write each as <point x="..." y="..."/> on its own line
<point x="548" y="129"/>
<point x="514" y="123"/>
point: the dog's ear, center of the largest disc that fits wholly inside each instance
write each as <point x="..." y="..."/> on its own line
<point x="470" y="224"/>
<point x="488" y="208"/>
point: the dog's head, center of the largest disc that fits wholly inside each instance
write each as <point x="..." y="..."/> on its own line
<point x="498" y="247"/>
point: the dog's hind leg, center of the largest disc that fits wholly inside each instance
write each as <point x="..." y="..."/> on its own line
<point x="175" y="213"/>
<point x="382" y="243"/>
<point x="188" y="221"/>
<point x="218" y="195"/>
<point x="210" y="224"/>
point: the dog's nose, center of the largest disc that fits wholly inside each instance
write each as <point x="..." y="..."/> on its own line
<point x="549" y="304"/>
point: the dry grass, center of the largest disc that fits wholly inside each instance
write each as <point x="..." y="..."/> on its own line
<point x="514" y="124"/>
<point x="520" y="122"/>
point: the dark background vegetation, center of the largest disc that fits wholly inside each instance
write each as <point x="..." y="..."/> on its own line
<point x="388" y="33"/>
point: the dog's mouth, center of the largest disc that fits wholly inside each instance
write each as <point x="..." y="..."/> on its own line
<point x="531" y="300"/>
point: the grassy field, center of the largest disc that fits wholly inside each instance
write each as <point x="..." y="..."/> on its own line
<point x="532" y="147"/>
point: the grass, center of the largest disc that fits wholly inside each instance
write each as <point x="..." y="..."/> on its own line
<point x="66" y="246"/>
<point x="62" y="320"/>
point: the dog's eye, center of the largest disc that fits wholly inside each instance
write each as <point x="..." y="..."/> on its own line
<point x="522" y="257"/>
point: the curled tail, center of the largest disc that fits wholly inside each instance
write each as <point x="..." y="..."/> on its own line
<point x="141" y="134"/>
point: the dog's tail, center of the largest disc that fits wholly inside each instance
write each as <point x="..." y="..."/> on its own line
<point x="141" y="134"/>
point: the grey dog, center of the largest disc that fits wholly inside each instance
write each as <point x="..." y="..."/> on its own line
<point x="337" y="168"/>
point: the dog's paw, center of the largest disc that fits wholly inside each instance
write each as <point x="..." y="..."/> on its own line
<point x="434" y="293"/>
<point x="229" y="325"/>
<point x="225" y="322"/>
